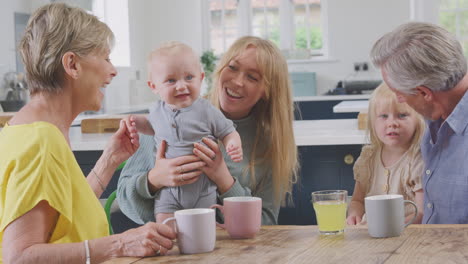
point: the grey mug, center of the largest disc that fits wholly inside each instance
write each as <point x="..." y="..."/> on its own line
<point x="386" y="215"/>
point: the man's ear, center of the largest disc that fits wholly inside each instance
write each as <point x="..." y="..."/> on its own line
<point x="152" y="86"/>
<point x="427" y="94"/>
<point x="71" y="64"/>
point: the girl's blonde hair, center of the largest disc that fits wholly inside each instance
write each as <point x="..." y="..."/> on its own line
<point x="383" y="96"/>
<point x="53" y="30"/>
<point x="274" y="114"/>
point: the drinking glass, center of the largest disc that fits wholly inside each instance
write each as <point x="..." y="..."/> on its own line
<point x="330" y="210"/>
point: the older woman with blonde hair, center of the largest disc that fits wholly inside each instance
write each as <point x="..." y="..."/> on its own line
<point x="251" y="88"/>
<point x="49" y="212"/>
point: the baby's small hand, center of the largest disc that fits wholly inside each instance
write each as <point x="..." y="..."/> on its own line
<point x="130" y="123"/>
<point x="234" y="152"/>
<point x="131" y="128"/>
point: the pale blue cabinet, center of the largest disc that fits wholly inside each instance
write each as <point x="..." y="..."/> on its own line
<point x="304" y="83"/>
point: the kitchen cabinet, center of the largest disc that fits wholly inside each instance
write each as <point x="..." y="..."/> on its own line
<point x="314" y="110"/>
<point x="321" y="107"/>
<point x="87" y="160"/>
<point x="322" y="168"/>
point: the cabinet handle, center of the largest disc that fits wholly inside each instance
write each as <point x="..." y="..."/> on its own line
<point x="349" y="159"/>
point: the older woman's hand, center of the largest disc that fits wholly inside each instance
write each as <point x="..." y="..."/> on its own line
<point x="122" y="144"/>
<point x="148" y="240"/>
<point x="173" y="172"/>
<point x="215" y="168"/>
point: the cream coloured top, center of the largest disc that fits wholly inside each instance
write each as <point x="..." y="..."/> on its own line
<point x="403" y="177"/>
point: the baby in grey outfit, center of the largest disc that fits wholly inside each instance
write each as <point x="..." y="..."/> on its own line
<point x="181" y="118"/>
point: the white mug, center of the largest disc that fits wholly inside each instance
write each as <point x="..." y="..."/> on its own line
<point x="386" y="215"/>
<point x="196" y="230"/>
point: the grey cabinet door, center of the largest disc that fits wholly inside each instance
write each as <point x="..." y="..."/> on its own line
<point x="313" y="110"/>
<point x="322" y="168"/>
<point x="87" y="160"/>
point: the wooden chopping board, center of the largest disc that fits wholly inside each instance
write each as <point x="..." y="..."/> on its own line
<point x="362" y="120"/>
<point x="108" y="124"/>
<point x="4" y="117"/>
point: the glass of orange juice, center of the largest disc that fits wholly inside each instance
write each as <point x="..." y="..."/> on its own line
<point x="330" y="210"/>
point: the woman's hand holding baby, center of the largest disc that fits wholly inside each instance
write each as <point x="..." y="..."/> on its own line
<point x="173" y="172"/>
<point x="215" y="168"/>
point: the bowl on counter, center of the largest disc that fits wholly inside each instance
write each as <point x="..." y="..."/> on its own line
<point x="12" y="105"/>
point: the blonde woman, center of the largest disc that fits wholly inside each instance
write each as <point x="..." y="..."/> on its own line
<point x="392" y="162"/>
<point x="252" y="88"/>
<point x="49" y="212"/>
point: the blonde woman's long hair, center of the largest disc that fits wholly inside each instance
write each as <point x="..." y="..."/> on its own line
<point x="382" y="95"/>
<point x="274" y="114"/>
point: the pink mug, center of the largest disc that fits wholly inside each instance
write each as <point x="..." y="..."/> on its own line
<point x="242" y="216"/>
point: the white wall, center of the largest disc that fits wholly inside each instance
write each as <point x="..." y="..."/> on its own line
<point x="140" y="17"/>
<point x="425" y="10"/>
<point x="153" y="23"/>
<point x="7" y="32"/>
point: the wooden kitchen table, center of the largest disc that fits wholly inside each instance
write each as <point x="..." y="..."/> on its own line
<point x="303" y="244"/>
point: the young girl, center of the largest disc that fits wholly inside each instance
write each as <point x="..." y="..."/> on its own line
<point x="392" y="163"/>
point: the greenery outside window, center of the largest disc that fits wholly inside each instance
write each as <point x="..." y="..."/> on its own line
<point x="297" y="27"/>
<point x="453" y="16"/>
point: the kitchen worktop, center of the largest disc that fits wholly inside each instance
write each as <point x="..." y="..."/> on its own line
<point x="307" y="133"/>
<point x="351" y="106"/>
<point x="332" y="97"/>
<point x="113" y="111"/>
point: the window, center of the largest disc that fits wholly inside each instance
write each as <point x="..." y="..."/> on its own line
<point x="266" y="19"/>
<point x="307" y="19"/>
<point x="224" y="24"/>
<point x="295" y="26"/>
<point x="453" y="16"/>
<point x="115" y="14"/>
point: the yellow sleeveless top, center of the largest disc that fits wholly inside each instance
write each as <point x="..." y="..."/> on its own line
<point x="36" y="164"/>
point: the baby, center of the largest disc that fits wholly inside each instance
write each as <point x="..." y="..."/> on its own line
<point x="181" y="119"/>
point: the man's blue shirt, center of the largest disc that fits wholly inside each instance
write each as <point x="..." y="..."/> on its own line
<point x="444" y="149"/>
